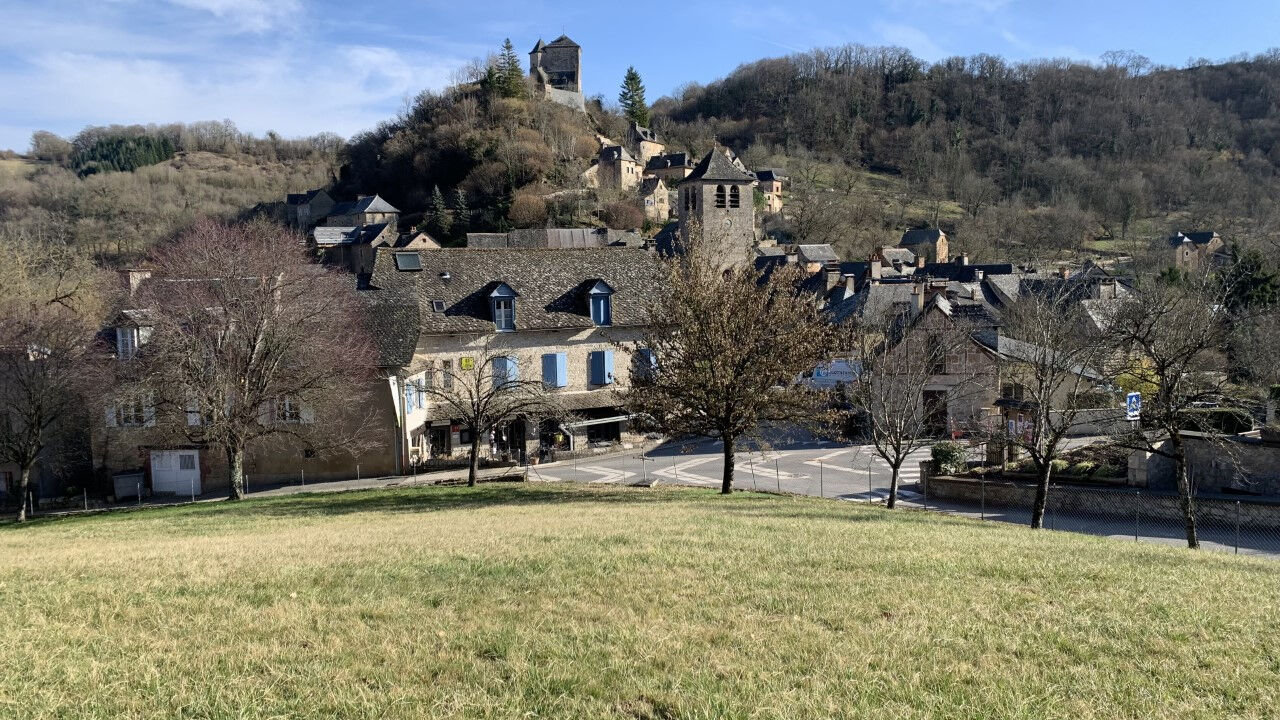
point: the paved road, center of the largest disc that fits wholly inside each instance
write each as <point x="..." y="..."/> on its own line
<point x="847" y="472"/>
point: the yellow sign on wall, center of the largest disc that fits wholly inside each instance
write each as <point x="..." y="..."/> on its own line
<point x="467" y="363"/>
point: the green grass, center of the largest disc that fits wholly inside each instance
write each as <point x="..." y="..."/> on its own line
<point x="512" y="601"/>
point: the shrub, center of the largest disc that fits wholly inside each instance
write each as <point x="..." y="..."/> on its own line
<point x="1059" y="466"/>
<point x="950" y="458"/>
<point x="1084" y="467"/>
<point x="527" y="210"/>
<point x="623" y="215"/>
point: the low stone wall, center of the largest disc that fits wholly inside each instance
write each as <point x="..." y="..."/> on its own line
<point x="1122" y="503"/>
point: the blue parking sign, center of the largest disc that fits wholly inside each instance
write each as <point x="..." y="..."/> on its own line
<point x="1132" y="406"/>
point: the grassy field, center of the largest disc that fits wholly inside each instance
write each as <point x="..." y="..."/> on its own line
<point x="512" y="601"/>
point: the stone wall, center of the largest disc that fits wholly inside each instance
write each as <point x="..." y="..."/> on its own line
<point x="1076" y="500"/>
<point x="1238" y="463"/>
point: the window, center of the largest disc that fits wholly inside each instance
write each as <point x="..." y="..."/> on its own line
<point x="502" y="302"/>
<point x="408" y="261"/>
<point x="186" y="461"/>
<point x="505" y="372"/>
<point x="601" y="303"/>
<point x="935" y="355"/>
<point x="645" y="363"/>
<point x="437" y="305"/>
<point x="600" y="362"/>
<point x="132" y="410"/>
<point x="288" y="411"/>
<point x="555" y="373"/>
<point x="429" y="376"/>
<point x="126" y="342"/>
<point x="720" y="197"/>
<point x="735" y="198"/>
<point x="410" y="395"/>
<point x="446" y="374"/>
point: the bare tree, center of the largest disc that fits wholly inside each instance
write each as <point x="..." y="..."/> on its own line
<point x="47" y="363"/>
<point x="728" y="348"/>
<point x="1173" y="337"/>
<point x="253" y="343"/>
<point x="900" y="354"/>
<point x="485" y="392"/>
<point x="1052" y="357"/>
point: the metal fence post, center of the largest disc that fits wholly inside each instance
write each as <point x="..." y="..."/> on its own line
<point x="139" y="494"/>
<point x="777" y="474"/>
<point x="86" y="499"/>
<point x="304" y="477"/>
<point x="1237" y="527"/>
<point x="1137" y="508"/>
<point x="193" y="489"/>
<point x="752" y="465"/>
<point x="1046" y="508"/>
<point x="821" y="488"/>
<point x="868" y="482"/>
<point x="982" y="483"/>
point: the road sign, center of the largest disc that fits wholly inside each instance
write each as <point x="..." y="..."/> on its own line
<point x="1132" y="406"/>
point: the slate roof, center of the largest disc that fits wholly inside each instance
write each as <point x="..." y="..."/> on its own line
<point x="1203" y="237"/>
<point x="903" y="255"/>
<point x="551" y="285"/>
<point x="302" y="198"/>
<point x="643" y="133"/>
<point x="357" y="235"/>
<point x="770" y="175"/>
<point x="715" y="166"/>
<point x="920" y="236"/>
<point x="650" y="185"/>
<point x="562" y="41"/>
<point x="368" y="203"/>
<point x="963" y="273"/>
<point x="611" y="153"/>
<point x="554" y="238"/>
<point x="872" y="301"/>
<point x="669" y="160"/>
<point x="823" y="253"/>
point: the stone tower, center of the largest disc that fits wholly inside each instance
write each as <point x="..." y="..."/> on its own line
<point x="716" y="200"/>
<point x="557" y="64"/>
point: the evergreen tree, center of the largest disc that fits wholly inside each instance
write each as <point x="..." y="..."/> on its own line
<point x="632" y="100"/>
<point x="438" y="220"/>
<point x="510" y="74"/>
<point x="461" y="213"/>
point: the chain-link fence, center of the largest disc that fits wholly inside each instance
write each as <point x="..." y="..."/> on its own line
<point x="1243" y="525"/>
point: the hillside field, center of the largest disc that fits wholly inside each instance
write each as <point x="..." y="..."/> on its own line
<point x="541" y="601"/>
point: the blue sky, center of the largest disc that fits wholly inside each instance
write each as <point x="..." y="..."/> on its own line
<point x="305" y="66"/>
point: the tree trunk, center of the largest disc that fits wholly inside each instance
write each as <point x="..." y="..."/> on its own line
<point x="726" y="481"/>
<point x="1042" y="496"/>
<point x="474" y="459"/>
<point x="895" y="471"/>
<point x="1184" y="498"/>
<point x="235" y="472"/>
<point x="23" y="484"/>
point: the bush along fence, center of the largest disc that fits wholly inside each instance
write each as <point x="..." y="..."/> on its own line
<point x="1242" y="525"/>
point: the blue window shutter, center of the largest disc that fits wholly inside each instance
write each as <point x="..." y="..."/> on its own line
<point x="562" y="369"/>
<point x="549" y="370"/>
<point x="608" y="367"/>
<point x="595" y="360"/>
<point x="513" y="368"/>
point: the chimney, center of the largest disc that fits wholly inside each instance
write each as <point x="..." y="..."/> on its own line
<point x="832" y="278"/>
<point x="134" y="277"/>
<point x="850" y="284"/>
<point x="962" y="259"/>
<point x="978" y="275"/>
<point x="920" y="261"/>
<point x="793" y="254"/>
<point x="917" y="296"/>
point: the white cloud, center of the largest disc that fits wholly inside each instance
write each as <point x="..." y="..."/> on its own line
<point x="249" y="15"/>
<point x="911" y="38"/>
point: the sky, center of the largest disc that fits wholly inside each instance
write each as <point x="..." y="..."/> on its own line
<point x="301" y="67"/>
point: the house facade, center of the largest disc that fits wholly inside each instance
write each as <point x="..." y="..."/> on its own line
<point x="365" y="210"/>
<point x="656" y="198"/>
<point x="573" y="318"/>
<point x="1195" y="250"/>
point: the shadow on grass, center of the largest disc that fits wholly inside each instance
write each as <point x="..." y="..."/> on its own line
<point x="426" y="499"/>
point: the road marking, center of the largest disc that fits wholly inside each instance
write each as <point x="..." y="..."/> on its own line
<point x="679" y="473"/>
<point x="607" y="475"/>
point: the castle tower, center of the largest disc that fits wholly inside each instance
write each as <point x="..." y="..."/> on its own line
<point x="717" y="199"/>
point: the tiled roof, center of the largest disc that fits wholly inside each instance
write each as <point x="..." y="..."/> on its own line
<point x="823" y="253"/>
<point x="963" y="273"/>
<point x="669" y="160"/>
<point x="650" y="185"/>
<point x="368" y="203"/>
<point x="550" y="284"/>
<point x="1203" y="237"/>
<point x="715" y="166"/>
<point x="612" y="153"/>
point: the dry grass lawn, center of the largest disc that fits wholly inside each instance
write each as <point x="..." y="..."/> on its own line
<point x="512" y="601"/>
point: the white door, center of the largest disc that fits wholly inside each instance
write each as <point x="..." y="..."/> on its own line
<point x="175" y="471"/>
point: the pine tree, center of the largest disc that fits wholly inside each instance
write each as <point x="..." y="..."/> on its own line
<point x="632" y="100"/>
<point x="461" y="213"/>
<point x="438" y="220"/>
<point x="510" y="75"/>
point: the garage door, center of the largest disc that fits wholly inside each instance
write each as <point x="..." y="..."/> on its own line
<point x="175" y="471"/>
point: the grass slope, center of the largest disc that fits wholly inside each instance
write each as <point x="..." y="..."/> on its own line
<point x="572" y="602"/>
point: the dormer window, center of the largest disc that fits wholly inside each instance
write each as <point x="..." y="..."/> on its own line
<point x="126" y="342"/>
<point x="600" y="297"/>
<point x="502" y="302"/>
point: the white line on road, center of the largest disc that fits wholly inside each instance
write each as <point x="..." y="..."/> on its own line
<point x="607" y="475"/>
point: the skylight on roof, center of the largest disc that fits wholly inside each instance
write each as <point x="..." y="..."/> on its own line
<point x="437" y="305"/>
<point x="407" y="261"/>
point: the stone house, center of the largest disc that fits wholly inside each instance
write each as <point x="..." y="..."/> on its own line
<point x="305" y="210"/>
<point x="140" y="445"/>
<point x="671" y="167"/>
<point x="351" y="247"/>
<point x="656" y="198"/>
<point x="573" y="317"/>
<point x="645" y="141"/>
<point x="769" y="183"/>
<point x="615" y="168"/>
<point x="1195" y="250"/>
<point x="366" y="210"/>
<point x="556" y="70"/>
<point x="929" y="243"/>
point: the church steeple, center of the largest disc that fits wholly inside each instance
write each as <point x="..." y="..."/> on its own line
<point x="716" y="201"/>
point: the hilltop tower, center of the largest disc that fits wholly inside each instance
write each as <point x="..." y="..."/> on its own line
<point x="556" y="69"/>
<point x="717" y="199"/>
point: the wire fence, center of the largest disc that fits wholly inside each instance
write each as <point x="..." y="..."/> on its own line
<point x="1244" y="526"/>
